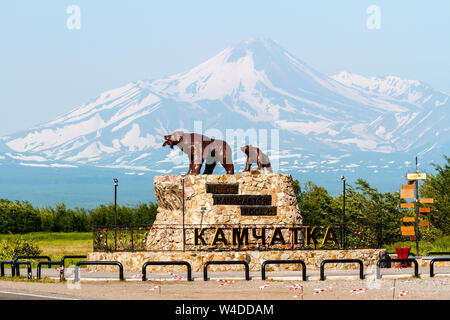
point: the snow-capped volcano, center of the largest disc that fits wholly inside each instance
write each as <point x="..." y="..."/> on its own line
<point x="255" y="84"/>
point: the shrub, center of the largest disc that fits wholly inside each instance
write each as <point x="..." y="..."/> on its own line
<point x="430" y="233"/>
<point x="15" y="246"/>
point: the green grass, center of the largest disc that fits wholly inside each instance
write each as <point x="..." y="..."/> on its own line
<point x="59" y="244"/>
<point x="439" y="245"/>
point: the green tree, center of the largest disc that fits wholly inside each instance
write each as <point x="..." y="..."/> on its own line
<point x="316" y="206"/>
<point x="437" y="186"/>
<point x="377" y="212"/>
<point x="18" y="217"/>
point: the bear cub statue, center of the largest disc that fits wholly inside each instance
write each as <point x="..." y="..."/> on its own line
<point x="255" y="155"/>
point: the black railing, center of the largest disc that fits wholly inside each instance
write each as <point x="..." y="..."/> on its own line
<point x="208" y="263"/>
<point x="63" y="264"/>
<point x="97" y="263"/>
<point x="167" y="263"/>
<point x="322" y="266"/>
<point x="230" y="237"/>
<point x="265" y="263"/>
<point x="48" y="264"/>
<point x="32" y="258"/>
<point x="27" y="263"/>
<point x="432" y="264"/>
<point x="2" y="267"/>
<point x="416" y="265"/>
<point x="438" y="253"/>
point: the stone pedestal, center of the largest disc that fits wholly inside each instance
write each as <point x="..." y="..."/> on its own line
<point x="168" y="191"/>
<point x="250" y="198"/>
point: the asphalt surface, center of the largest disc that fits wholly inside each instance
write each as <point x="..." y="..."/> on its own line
<point x="24" y="290"/>
<point x="12" y="294"/>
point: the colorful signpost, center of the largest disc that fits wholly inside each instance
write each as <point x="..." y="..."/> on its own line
<point x="411" y="191"/>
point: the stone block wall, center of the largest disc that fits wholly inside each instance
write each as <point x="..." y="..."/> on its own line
<point x="133" y="261"/>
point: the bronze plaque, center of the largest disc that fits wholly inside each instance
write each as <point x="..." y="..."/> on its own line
<point x="222" y="188"/>
<point x="242" y="199"/>
<point x="258" y="211"/>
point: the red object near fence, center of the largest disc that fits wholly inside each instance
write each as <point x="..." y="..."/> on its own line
<point x="403" y="253"/>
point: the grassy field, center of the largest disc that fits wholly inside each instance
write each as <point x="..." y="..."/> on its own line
<point x="59" y="244"/>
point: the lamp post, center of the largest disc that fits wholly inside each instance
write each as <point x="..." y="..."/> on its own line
<point x="183" y="176"/>
<point x="343" y="212"/>
<point x="116" y="184"/>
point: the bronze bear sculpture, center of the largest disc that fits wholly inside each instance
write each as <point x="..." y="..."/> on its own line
<point x="255" y="155"/>
<point x="201" y="149"/>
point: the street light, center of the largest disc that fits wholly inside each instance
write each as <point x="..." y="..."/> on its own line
<point x="183" y="176"/>
<point x="343" y="212"/>
<point x="116" y="184"/>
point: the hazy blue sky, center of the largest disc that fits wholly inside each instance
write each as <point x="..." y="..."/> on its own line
<point x="47" y="69"/>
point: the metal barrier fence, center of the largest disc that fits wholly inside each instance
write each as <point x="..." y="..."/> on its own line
<point x="48" y="264"/>
<point x="322" y="266"/>
<point x="409" y="253"/>
<point x="265" y="263"/>
<point x="166" y="263"/>
<point x="33" y="258"/>
<point x="432" y="264"/>
<point x="416" y="265"/>
<point x="2" y="267"/>
<point x="99" y="263"/>
<point x="17" y="265"/>
<point x="63" y="264"/>
<point x="438" y="253"/>
<point x="231" y="237"/>
<point x="244" y="263"/>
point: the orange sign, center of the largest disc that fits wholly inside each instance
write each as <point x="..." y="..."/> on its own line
<point x="406" y="205"/>
<point x="426" y="200"/>
<point x="422" y="215"/>
<point x="424" y="210"/>
<point x="424" y="223"/>
<point x="409" y="219"/>
<point x="408" y="231"/>
<point x="408" y="186"/>
<point x="406" y="194"/>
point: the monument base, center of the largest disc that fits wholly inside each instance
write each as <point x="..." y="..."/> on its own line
<point x="133" y="261"/>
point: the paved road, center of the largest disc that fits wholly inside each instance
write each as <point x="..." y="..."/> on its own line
<point x="25" y="295"/>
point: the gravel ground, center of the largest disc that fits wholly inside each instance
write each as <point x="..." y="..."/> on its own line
<point x="342" y="289"/>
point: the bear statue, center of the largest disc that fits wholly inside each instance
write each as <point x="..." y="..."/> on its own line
<point x="201" y="149"/>
<point x="255" y="155"/>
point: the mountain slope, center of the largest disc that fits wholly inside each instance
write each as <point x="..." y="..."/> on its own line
<point x="252" y="86"/>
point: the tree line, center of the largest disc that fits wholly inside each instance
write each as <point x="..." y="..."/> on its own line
<point x="365" y="206"/>
<point x="22" y="217"/>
